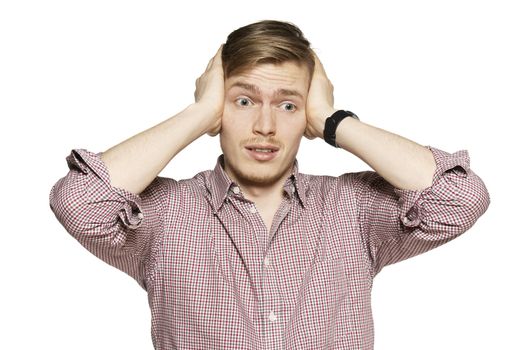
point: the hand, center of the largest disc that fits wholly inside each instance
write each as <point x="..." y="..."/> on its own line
<point x="320" y="101"/>
<point x="209" y="93"/>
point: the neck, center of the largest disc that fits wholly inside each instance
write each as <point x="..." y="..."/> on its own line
<point x="261" y="194"/>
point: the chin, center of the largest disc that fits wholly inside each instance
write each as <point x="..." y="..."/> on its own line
<point x="258" y="174"/>
<point x="248" y="172"/>
<point x="260" y="178"/>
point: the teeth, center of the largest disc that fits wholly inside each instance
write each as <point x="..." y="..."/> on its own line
<point x="264" y="150"/>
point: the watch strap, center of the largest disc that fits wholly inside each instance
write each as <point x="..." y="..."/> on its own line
<point x="331" y="124"/>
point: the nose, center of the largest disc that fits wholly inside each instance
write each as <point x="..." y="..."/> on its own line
<point x="265" y="123"/>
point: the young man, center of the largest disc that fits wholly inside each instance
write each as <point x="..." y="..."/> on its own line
<point x="255" y="254"/>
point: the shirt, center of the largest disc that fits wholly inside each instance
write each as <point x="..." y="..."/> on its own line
<point x="217" y="278"/>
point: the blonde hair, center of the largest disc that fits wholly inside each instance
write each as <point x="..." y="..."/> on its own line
<point x="266" y="41"/>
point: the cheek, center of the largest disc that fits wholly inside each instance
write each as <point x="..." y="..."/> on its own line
<point x="293" y="131"/>
<point x="299" y="125"/>
<point x="299" y="128"/>
<point x="227" y="114"/>
<point x="234" y="128"/>
<point x="232" y="119"/>
<point x="228" y="122"/>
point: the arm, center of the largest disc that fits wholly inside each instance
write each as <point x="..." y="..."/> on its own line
<point x="114" y="203"/>
<point x="117" y="226"/>
<point x="397" y="224"/>
<point x="402" y="162"/>
<point x="135" y="162"/>
<point x="418" y="197"/>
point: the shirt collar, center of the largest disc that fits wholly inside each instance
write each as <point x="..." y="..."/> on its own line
<point x="219" y="184"/>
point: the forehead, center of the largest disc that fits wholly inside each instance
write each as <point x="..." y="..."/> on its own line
<point x="269" y="77"/>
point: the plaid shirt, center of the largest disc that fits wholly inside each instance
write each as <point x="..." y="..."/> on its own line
<point x="217" y="278"/>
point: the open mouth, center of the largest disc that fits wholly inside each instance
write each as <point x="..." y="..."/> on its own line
<point x="262" y="152"/>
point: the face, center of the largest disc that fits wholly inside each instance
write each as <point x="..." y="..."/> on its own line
<point x="263" y="122"/>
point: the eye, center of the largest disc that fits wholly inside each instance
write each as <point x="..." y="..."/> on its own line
<point x="243" y="102"/>
<point x="289" y="107"/>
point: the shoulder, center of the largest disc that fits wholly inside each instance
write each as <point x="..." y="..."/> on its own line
<point x="342" y="182"/>
<point x="167" y="188"/>
<point x="345" y="189"/>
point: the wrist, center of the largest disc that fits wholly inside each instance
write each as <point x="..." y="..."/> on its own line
<point x="206" y="110"/>
<point x="318" y="121"/>
<point x="332" y="123"/>
<point x="196" y="120"/>
<point x="208" y="117"/>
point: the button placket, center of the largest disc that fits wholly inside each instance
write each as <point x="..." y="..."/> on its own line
<point x="272" y="316"/>
<point x="266" y="261"/>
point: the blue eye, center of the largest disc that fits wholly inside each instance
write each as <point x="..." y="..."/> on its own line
<point x="242" y="102"/>
<point x="289" y="107"/>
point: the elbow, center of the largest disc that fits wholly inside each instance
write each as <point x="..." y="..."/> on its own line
<point x="451" y="209"/>
<point x="475" y="201"/>
<point x="66" y="206"/>
<point x="91" y="217"/>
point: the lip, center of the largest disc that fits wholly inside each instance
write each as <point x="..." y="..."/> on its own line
<point x="262" y="156"/>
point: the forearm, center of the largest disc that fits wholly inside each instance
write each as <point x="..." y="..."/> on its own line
<point x="401" y="162"/>
<point x="134" y="163"/>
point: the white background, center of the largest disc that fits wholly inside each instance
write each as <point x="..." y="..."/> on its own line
<point x="89" y="74"/>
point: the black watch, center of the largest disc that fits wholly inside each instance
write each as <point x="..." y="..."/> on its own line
<point x="331" y="124"/>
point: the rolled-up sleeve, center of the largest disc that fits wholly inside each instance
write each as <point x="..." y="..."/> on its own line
<point x="398" y="223"/>
<point x="117" y="226"/>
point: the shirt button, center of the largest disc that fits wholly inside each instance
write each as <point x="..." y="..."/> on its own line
<point x="140" y="216"/>
<point x="252" y="209"/>
<point x="236" y="189"/>
<point x="272" y="316"/>
<point x="266" y="261"/>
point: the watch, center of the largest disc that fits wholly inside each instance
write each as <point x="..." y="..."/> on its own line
<point x="331" y="124"/>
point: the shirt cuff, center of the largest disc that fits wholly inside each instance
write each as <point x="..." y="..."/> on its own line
<point x="90" y="163"/>
<point x="411" y="201"/>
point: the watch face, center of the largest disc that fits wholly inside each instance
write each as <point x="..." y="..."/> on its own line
<point x="352" y="115"/>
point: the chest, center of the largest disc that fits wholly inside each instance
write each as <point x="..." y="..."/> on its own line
<point x="227" y="267"/>
<point x="235" y="248"/>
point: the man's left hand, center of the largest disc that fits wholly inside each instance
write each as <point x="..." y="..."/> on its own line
<point x="320" y="101"/>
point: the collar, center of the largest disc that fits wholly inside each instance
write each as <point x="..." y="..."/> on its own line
<point x="219" y="184"/>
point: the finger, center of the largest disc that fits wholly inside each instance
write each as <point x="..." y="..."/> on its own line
<point x="318" y="66"/>
<point x="209" y="64"/>
<point x="217" y="58"/>
<point x="219" y="52"/>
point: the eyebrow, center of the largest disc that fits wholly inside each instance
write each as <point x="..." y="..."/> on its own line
<point x="256" y="90"/>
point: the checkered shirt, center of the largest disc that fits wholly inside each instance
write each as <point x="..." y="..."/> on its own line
<point x="217" y="278"/>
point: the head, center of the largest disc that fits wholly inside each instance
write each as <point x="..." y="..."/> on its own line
<point x="268" y="67"/>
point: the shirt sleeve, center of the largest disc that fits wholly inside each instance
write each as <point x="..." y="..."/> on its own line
<point x="117" y="226"/>
<point x="398" y="224"/>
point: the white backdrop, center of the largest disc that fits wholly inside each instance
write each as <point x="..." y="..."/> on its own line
<point x="89" y="74"/>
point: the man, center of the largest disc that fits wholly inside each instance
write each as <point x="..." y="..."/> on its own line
<point x="255" y="254"/>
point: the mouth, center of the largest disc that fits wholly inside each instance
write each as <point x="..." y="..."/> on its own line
<point x="262" y="152"/>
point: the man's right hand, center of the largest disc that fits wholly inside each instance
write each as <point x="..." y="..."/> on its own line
<point x="210" y="91"/>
